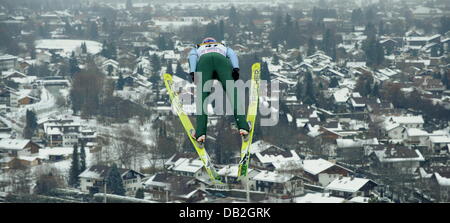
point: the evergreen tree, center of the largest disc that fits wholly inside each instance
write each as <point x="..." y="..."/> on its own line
<point x="333" y="82"/>
<point x="275" y="60"/>
<point x="233" y="16"/>
<point x="31" y="124"/>
<point x="110" y="69"/>
<point x="31" y="119"/>
<point x="109" y="50"/>
<point x="73" y="65"/>
<point x="299" y="58"/>
<point x="83" y="48"/>
<point x="93" y="30"/>
<point x="140" y="193"/>
<point x="221" y="35"/>
<point x="329" y="43"/>
<point x="161" y="42"/>
<point x="82" y="158"/>
<point x="370" y="31"/>
<point x="445" y="79"/>
<point x="140" y="70"/>
<point x="357" y="16"/>
<point x="381" y="30"/>
<point x="129" y="5"/>
<point x="310" y="95"/>
<point x="299" y="90"/>
<point x="120" y="82"/>
<point x="74" y="171"/>
<point x="169" y="69"/>
<point x="265" y="73"/>
<point x="156" y="64"/>
<point x="374" y="52"/>
<point x="311" y="47"/>
<point x="179" y="70"/>
<point x="114" y="181"/>
<point x="376" y="90"/>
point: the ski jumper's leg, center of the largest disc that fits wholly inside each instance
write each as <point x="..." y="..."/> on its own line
<point x="223" y="68"/>
<point x="206" y="66"/>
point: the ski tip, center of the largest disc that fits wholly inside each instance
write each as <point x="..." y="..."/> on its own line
<point x="256" y="66"/>
<point x="167" y="76"/>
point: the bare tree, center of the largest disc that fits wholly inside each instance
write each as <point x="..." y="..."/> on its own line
<point x="296" y="170"/>
<point x="48" y="178"/>
<point x="20" y="177"/>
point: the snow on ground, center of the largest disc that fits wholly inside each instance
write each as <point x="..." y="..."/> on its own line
<point x="68" y="45"/>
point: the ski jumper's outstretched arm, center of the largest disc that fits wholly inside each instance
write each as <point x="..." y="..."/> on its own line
<point x="193" y="57"/>
<point x="233" y="57"/>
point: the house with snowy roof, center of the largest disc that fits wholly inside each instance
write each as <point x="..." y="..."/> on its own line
<point x="278" y="184"/>
<point x="439" y="143"/>
<point x="110" y="67"/>
<point x="62" y="132"/>
<point x="8" y="62"/>
<point x="192" y="167"/>
<point x="93" y="178"/>
<point x="396" y="157"/>
<point x="273" y="157"/>
<point x="414" y="137"/>
<point x="341" y="96"/>
<point x="319" y="198"/>
<point x="437" y="179"/>
<point x="169" y="187"/>
<point x="322" y="172"/>
<point x="229" y="175"/>
<point x="350" y="187"/>
<point x="393" y="125"/>
<point x="18" y="147"/>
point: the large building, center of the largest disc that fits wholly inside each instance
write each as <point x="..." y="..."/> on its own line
<point x="7" y="62"/>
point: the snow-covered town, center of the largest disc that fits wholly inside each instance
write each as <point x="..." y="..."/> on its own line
<point x="363" y="115"/>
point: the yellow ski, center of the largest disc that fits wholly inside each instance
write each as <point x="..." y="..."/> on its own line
<point x="188" y="127"/>
<point x="251" y="117"/>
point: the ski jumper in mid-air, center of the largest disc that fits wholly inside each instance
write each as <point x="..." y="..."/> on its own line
<point x="208" y="57"/>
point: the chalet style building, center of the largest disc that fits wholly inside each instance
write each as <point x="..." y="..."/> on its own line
<point x="92" y="179"/>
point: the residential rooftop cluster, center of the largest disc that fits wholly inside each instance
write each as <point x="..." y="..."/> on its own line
<point x="363" y="115"/>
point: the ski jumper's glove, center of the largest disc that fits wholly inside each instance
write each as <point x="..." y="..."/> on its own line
<point x="235" y="74"/>
<point x="192" y="76"/>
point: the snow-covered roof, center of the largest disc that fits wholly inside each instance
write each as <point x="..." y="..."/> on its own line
<point x="188" y="165"/>
<point x="279" y="158"/>
<point x="440" y="139"/>
<point x="348" y="184"/>
<point x="360" y="199"/>
<point x="68" y="45"/>
<point x="350" y="143"/>
<point x="13" y="144"/>
<point x="28" y="158"/>
<point x="230" y="170"/>
<point x="7" y="57"/>
<point x="55" y="151"/>
<point x="341" y="95"/>
<point x="260" y="146"/>
<point x="398" y="154"/>
<point x="407" y="119"/>
<point x="272" y="176"/>
<point x="319" y="198"/>
<point x="316" y="166"/>
<point x="416" y="132"/>
<point x="151" y="182"/>
<point x="443" y="181"/>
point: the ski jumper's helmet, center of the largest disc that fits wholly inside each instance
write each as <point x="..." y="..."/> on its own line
<point x="209" y="40"/>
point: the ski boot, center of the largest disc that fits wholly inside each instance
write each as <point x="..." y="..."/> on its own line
<point x="200" y="140"/>
<point x="244" y="133"/>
